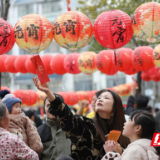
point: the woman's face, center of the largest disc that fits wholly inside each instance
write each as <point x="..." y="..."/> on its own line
<point x="4" y="123"/>
<point x="16" y="108"/>
<point x="104" y="105"/>
<point x="93" y="103"/>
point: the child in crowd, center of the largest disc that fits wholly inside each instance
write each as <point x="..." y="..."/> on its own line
<point x="22" y="122"/>
<point x="139" y="129"/>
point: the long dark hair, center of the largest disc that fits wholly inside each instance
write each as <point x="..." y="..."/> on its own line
<point x="148" y="124"/>
<point x="116" y="121"/>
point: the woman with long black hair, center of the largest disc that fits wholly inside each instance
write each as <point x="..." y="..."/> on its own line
<point x="87" y="135"/>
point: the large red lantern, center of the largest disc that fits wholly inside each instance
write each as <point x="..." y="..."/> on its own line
<point x="46" y="59"/>
<point x="20" y="63"/>
<point x="145" y="22"/>
<point x="87" y="62"/>
<point x="29" y="66"/>
<point x="33" y="33"/>
<point x="142" y="58"/>
<point x="2" y="63"/>
<point x="9" y="63"/>
<point x="112" y="29"/>
<point x="57" y="64"/>
<point x="105" y="62"/>
<point x="131" y="71"/>
<point x="71" y="63"/>
<point x="21" y="95"/>
<point x="123" y="59"/>
<point x="7" y="38"/>
<point x="145" y="76"/>
<point x="72" y="30"/>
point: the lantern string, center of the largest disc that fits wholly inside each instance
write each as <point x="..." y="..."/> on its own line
<point x="115" y="64"/>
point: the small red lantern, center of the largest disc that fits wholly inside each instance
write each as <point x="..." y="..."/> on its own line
<point x="72" y="98"/>
<point x="9" y="63"/>
<point x="20" y="63"/>
<point x="156" y="77"/>
<point x="5" y="88"/>
<point x="105" y="62"/>
<point x="57" y="64"/>
<point x="71" y="63"/>
<point x="87" y="62"/>
<point x="29" y="66"/>
<point x="46" y="59"/>
<point x="123" y="59"/>
<point x="131" y="71"/>
<point x="145" y="76"/>
<point x="2" y="63"/>
<point x="20" y="94"/>
<point x="7" y="38"/>
<point x="142" y="58"/>
<point x="112" y="29"/>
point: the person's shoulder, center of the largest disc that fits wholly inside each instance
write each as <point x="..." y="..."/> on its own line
<point x="42" y="128"/>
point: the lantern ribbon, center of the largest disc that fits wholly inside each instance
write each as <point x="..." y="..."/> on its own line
<point x="68" y="7"/>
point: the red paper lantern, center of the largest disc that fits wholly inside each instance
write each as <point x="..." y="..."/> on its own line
<point x="156" y="77"/>
<point x="46" y="59"/>
<point x="123" y="59"/>
<point x="9" y="63"/>
<point x="131" y="71"/>
<point x="142" y="58"/>
<point x="145" y="76"/>
<point x="20" y="63"/>
<point x="7" y="38"/>
<point x="57" y="64"/>
<point x="72" y="98"/>
<point x="105" y="62"/>
<point x="29" y="66"/>
<point x="71" y="63"/>
<point x="32" y="97"/>
<point x="112" y="29"/>
<point x="2" y="63"/>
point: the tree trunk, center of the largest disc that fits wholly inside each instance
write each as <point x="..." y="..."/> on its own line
<point x="4" y="14"/>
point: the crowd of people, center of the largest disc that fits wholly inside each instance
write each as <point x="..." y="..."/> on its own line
<point x="66" y="134"/>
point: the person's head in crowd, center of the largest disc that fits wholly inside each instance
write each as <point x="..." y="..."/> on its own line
<point x="64" y="157"/>
<point x="93" y="102"/>
<point x="47" y="105"/>
<point x="109" y="109"/>
<point x="30" y="114"/>
<point x="156" y="110"/>
<point x="142" y="125"/>
<point x="13" y="105"/>
<point x="149" y="109"/>
<point x="3" y="93"/>
<point x="141" y="102"/>
<point x="4" y="116"/>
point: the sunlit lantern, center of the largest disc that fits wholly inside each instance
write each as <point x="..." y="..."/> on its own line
<point x="7" y="39"/>
<point x="2" y="63"/>
<point x="9" y="64"/>
<point x="145" y="22"/>
<point x="33" y="33"/>
<point x="112" y="29"/>
<point x="72" y="30"/>
<point x="87" y="62"/>
<point x="156" y="56"/>
<point x="29" y="66"/>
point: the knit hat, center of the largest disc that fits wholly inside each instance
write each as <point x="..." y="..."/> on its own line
<point x="9" y="102"/>
<point x="8" y="96"/>
<point x="3" y="93"/>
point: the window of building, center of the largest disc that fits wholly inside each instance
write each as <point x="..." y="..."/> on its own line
<point x="22" y="52"/>
<point x="50" y="7"/>
<point x="84" y="85"/>
<point x="25" y="9"/>
<point x="112" y="81"/>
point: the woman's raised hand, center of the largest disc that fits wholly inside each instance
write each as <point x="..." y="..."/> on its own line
<point x="42" y="87"/>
